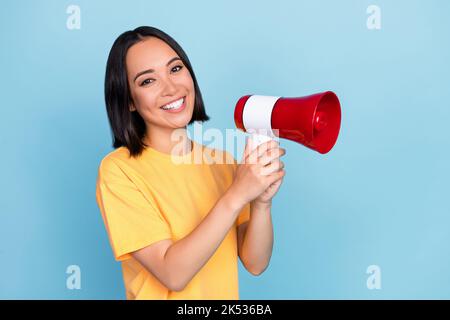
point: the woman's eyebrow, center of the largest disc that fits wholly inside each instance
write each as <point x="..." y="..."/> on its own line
<point x="151" y="70"/>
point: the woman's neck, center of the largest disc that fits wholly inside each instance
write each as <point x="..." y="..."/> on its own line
<point x="170" y="141"/>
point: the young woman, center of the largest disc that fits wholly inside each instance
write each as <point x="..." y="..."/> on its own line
<point x="178" y="229"/>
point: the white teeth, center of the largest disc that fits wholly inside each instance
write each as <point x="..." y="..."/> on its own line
<point x="174" y="105"/>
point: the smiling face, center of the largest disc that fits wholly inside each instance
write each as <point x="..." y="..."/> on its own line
<point x="160" y="85"/>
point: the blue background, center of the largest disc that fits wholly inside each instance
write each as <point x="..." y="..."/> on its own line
<point x="379" y="197"/>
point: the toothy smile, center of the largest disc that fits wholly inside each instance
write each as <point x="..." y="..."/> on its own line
<point x="174" y="105"/>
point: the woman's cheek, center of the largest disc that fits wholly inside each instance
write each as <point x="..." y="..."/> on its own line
<point x="148" y="100"/>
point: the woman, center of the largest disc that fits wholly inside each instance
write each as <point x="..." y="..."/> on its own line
<point x="177" y="229"/>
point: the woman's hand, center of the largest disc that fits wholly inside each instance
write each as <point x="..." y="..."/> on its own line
<point x="259" y="175"/>
<point x="266" y="197"/>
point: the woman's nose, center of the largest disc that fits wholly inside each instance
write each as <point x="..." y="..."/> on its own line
<point x="169" y="88"/>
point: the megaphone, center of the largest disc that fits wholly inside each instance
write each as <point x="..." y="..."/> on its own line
<point x="313" y="121"/>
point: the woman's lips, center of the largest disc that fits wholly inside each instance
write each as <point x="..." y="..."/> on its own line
<point x="176" y="110"/>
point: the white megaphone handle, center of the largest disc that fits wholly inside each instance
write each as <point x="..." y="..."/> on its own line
<point x="258" y="139"/>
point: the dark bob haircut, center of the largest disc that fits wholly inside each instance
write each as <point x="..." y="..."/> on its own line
<point x="128" y="128"/>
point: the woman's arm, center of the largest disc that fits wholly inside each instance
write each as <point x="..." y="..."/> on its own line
<point x="255" y="239"/>
<point x="175" y="264"/>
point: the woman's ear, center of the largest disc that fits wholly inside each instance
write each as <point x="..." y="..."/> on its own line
<point x="131" y="107"/>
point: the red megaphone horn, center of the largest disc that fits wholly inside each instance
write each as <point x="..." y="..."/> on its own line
<point x="313" y="121"/>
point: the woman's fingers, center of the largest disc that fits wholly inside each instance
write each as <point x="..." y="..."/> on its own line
<point x="271" y="155"/>
<point x="272" y="167"/>
<point x="247" y="149"/>
<point x="274" y="177"/>
<point x="253" y="156"/>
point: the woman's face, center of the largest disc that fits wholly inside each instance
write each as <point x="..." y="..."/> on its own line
<point x="158" y="79"/>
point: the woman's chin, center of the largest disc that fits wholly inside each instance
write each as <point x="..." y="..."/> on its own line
<point x="182" y="121"/>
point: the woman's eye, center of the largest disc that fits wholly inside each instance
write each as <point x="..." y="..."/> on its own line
<point x="148" y="81"/>
<point x="179" y="68"/>
<point x="145" y="82"/>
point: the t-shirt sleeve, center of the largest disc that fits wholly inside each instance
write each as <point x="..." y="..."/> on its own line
<point x="132" y="220"/>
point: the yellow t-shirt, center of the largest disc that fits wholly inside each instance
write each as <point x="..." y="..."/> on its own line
<point x="156" y="196"/>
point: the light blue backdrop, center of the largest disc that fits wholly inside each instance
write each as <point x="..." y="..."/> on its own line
<point x="380" y="197"/>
